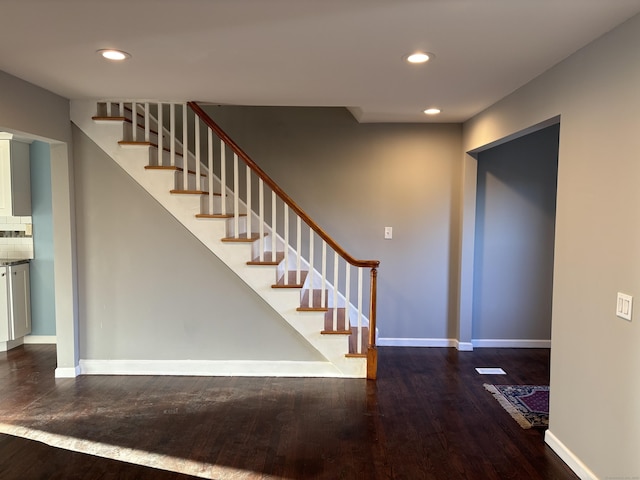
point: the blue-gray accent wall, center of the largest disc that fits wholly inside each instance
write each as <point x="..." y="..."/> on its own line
<point x="43" y="319"/>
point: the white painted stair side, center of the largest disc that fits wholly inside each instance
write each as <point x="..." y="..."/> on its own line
<point x="234" y="255"/>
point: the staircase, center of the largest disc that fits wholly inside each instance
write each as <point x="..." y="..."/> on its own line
<point x="184" y="160"/>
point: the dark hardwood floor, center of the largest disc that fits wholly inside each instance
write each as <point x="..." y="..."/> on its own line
<point x="427" y="417"/>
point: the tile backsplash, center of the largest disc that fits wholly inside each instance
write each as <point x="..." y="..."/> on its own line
<point x="16" y="240"/>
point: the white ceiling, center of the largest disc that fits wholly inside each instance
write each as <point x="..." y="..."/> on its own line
<point x="301" y="52"/>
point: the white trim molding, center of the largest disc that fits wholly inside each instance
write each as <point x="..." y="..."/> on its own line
<point x="568" y="457"/>
<point x="511" y="343"/>
<point x="415" y="342"/>
<point x="464" y="346"/>
<point x="67" y="372"/>
<point x="213" y="368"/>
<point x="40" y="340"/>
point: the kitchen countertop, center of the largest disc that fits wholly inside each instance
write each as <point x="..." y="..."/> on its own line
<point x="5" y="262"/>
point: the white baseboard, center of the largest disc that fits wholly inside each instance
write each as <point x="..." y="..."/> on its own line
<point x="511" y="343"/>
<point x="67" y="372"/>
<point x="214" y="368"/>
<point x="40" y="339"/>
<point x="464" y="346"/>
<point x="568" y="457"/>
<point x="416" y="342"/>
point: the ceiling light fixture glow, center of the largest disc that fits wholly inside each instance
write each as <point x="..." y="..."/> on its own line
<point x="111" y="54"/>
<point x="419" y="57"/>
<point x="432" y="111"/>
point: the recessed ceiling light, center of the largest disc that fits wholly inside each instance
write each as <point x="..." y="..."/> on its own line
<point x="419" y="57"/>
<point x="432" y="111"/>
<point x="111" y="54"/>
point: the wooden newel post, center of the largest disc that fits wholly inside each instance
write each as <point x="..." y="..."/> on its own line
<point x="372" y="352"/>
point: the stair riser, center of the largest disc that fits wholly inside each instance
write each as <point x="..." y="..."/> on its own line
<point x="193" y="183"/>
<point x="166" y="158"/>
<point x="205" y="208"/>
<point x="241" y="226"/>
<point x="139" y="136"/>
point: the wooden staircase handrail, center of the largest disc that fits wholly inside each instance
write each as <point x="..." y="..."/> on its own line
<point x="281" y="193"/>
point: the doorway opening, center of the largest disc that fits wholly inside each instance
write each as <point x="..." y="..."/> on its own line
<point x="514" y="241"/>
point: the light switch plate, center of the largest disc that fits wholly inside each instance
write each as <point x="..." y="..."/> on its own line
<point x="388" y="233"/>
<point x="624" y="306"/>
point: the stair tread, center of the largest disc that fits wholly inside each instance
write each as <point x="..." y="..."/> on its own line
<point x="162" y="167"/>
<point x="291" y="280"/>
<point x="341" y="328"/>
<point x="214" y="215"/>
<point x="99" y="118"/>
<point x="242" y="238"/>
<point x="316" y="302"/>
<point x="267" y="259"/>
<point x="218" y="215"/>
<point x="171" y="167"/>
<point x="135" y="143"/>
<point x="189" y="192"/>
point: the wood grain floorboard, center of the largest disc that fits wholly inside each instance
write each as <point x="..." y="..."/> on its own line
<point x="427" y="417"/>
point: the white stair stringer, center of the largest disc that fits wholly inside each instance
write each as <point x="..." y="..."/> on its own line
<point x="235" y="255"/>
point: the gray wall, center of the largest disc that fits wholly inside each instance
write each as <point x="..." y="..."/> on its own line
<point x="33" y="110"/>
<point x="43" y="318"/>
<point x="150" y="290"/>
<point x="355" y="179"/>
<point x="595" y="359"/>
<point x="515" y="222"/>
<point x="41" y="115"/>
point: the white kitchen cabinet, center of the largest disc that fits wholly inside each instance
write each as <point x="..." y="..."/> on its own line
<point x="15" y="302"/>
<point x="15" y="177"/>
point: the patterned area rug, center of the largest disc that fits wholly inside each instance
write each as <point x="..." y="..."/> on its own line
<point x="527" y="404"/>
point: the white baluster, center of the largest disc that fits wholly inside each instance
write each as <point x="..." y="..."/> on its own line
<point x="196" y="147"/>
<point x="147" y="129"/>
<point x="298" y="249"/>
<point x="274" y="242"/>
<point x="121" y="109"/>
<point x="108" y="109"/>
<point x="311" y="233"/>
<point x="185" y="149"/>
<point x="286" y="243"/>
<point x="236" y="200"/>
<point x="359" y="344"/>
<point x="223" y="176"/>
<point x="249" y="203"/>
<point x="347" y="288"/>
<point x="335" y="291"/>
<point x="210" y="167"/>
<point x="261" y="219"/>
<point x="172" y="128"/>
<point x="160" y="136"/>
<point x="323" y="282"/>
<point x="134" y="122"/>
